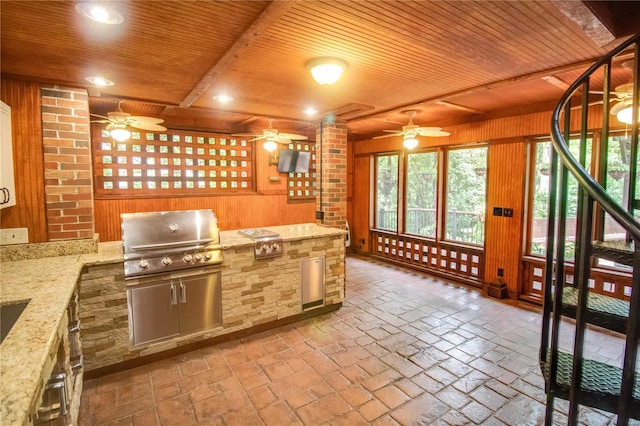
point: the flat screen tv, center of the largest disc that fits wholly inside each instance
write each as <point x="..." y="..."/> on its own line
<point x="291" y="161"/>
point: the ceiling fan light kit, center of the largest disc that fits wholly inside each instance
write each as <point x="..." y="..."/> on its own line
<point x="272" y="138"/>
<point x="119" y="133"/>
<point x="410" y="142"/>
<point x="270" y="145"/>
<point x="326" y="70"/>
<point x="625" y="115"/>
<point x="411" y="131"/>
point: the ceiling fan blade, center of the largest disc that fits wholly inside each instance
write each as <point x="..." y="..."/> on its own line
<point x="100" y="116"/>
<point x="246" y="135"/>
<point x="257" y="138"/>
<point x="434" y="133"/>
<point x="393" y="131"/>
<point x="106" y="120"/>
<point x="619" y="107"/>
<point x="118" y="115"/>
<point x="152" y="127"/>
<point x="388" y="136"/>
<point x="282" y="139"/>
<point x="427" y="129"/>
<point x="141" y="119"/>
<point x="293" y="136"/>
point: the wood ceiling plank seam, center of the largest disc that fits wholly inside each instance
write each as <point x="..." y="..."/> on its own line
<point x="558" y="25"/>
<point x="569" y="32"/>
<point x="472" y="28"/>
<point x="444" y="49"/>
<point x="393" y="47"/>
<point x="529" y="20"/>
<point x="543" y="38"/>
<point x="359" y="48"/>
<point x="493" y="24"/>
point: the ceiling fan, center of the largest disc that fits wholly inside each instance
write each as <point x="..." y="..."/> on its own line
<point x="120" y="120"/>
<point x="410" y="131"/>
<point x="272" y="137"/>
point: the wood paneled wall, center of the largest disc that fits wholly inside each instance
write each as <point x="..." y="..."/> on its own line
<point x="29" y="211"/>
<point x="233" y="212"/>
<point x="503" y="235"/>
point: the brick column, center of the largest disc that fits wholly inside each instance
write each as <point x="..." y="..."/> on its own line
<point x="331" y="154"/>
<point x="67" y="163"/>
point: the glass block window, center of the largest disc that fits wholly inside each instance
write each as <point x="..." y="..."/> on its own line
<point x="171" y="163"/>
<point x="302" y="186"/>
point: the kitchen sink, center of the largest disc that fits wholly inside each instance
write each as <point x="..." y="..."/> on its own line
<point x="9" y="314"/>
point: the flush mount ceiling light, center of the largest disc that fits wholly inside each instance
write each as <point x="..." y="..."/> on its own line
<point x="222" y="98"/>
<point x="99" y="81"/>
<point x="119" y="132"/>
<point x="270" y="145"/>
<point x="100" y="13"/>
<point x="410" y="141"/>
<point x="311" y="111"/>
<point x="326" y="70"/>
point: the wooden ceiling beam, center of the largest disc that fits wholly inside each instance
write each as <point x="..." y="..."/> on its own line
<point x="459" y="107"/>
<point x="268" y="17"/>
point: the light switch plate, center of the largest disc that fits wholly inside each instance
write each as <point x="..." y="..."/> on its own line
<point x="14" y="236"/>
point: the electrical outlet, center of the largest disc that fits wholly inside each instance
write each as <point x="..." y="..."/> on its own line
<point x="508" y="212"/>
<point x="14" y="236"/>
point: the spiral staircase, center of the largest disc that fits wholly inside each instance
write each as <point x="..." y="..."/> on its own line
<point x="570" y="374"/>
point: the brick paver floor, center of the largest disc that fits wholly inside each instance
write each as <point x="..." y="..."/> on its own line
<point x="406" y="348"/>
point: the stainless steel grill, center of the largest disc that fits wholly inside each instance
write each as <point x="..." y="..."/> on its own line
<point x="158" y="242"/>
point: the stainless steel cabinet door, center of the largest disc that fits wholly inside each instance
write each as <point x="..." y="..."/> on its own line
<point x="312" y="277"/>
<point x="153" y="312"/>
<point x="200" y="303"/>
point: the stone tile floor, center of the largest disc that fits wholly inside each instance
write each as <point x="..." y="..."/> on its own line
<point x="406" y="348"/>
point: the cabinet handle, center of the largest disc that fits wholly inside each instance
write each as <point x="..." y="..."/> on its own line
<point x="6" y="196"/>
<point x="174" y="294"/>
<point x="183" y="292"/>
<point x="74" y="327"/>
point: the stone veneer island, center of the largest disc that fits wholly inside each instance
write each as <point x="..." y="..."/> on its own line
<point x="257" y="294"/>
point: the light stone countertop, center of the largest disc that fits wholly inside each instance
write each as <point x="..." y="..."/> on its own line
<point x="48" y="283"/>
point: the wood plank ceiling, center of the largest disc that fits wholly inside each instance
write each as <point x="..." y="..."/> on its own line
<point x="448" y="60"/>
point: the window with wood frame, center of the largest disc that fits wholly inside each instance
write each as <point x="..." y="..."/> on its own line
<point x="301" y="187"/>
<point x="171" y="163"/>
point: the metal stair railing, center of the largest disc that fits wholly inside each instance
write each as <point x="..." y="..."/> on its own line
<point x="569" y="375"/>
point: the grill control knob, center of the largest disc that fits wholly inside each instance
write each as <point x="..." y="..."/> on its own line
<point x="187" y="258"/>
<point x="143" y="264"/>
<point x="198" y="256"/>
<point x="173" y="227"/>
<point x="166" y="261"/>
<point x="207" y="256"/>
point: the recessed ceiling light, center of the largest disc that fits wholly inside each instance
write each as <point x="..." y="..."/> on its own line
<point x="223" y="98"/>
<point x="100" y="13"/>
<point x="99" y="81"/>
<point x="311" y="111"/>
